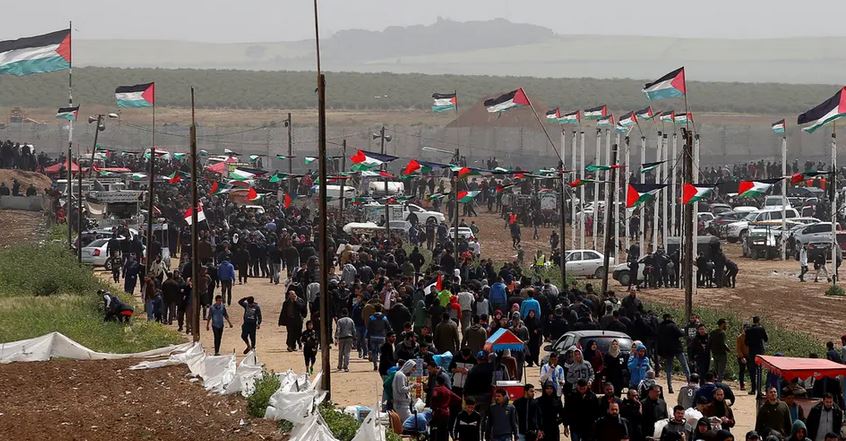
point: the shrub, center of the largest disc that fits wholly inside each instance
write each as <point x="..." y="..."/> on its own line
<point x="43" y="270"/>
<point x="835" y="290"/>
<point x="342" y="426"/>
<point x="265" y="387"/>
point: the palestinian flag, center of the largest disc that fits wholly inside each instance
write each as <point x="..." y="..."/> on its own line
<point x="371" y="159"/>
<point x="174" y="178"/>
<point x="138" y="176"/>
<point x="695" y="193"/>
<point x="628" y="119"/>
<point x="508" y="101"/>
<point x="415" y="166"/>
<point x="649" y="166"/>
<point x="554" y="114"/>
<point x="748" y="189"/>
<point x="463" y="172"/>
<point x="214" y="188"/>
<point x="466" y="196"/>
<point x="435" y="196"/>
<point x="386" y="174"/>
<point x="444" y="102"/>
<point x="668" y="116"/>
<point x="309" y="159"/>
<point x="605" y="123"/>
<point x="621" y="129"/>
<point x="683" y="118"/>
<point x="287" y="200"/>
<point x="179" y="156"/>
<point x="596" y="113"/>
<point x="571" y="118"/>
<point x="285" y="157"/>
<point x="778" y="127"/>
<point x="252" y="194"/>
<point x="579" y="182"/>
<point x="277" y="177"/>
<point x="500" y="188"/>
<point x="831" y="109"/>
<point x="797" y="178"/>
<point x="645" y="114"/>
<point x="68" y="113"/>
<point x="671" y="85"/>
<point x="139" y="95"/>
<point x="40" y="54"/>
<point x="595" y="168"/>
<point x="201" y="215"/>
<point x="637" y="194"/>
<point x="241" y="175"/>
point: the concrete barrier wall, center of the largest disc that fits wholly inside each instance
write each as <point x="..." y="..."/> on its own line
<point x="30" y="203"/>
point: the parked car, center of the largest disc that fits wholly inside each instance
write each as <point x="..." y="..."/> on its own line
<point x="718" y="224"/>
<point x="775" y="202"/>
<point x="580" y="339"/>
<point x="422" y="215"/>
<point x="736" y="231"/>
<point x="718" y="208"/>
<point x="463" y="232"/>
<point x="818" y="232"/>
<point x="588" y="263"/>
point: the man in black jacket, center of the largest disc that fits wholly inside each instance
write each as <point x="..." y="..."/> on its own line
<point x="612" y="427"/>
<point x="528" y="414"/>
<point x="756" y="339"/>
<point x="824" y="417"/>
<point x="581" y="408"/>
<point x="670" y="347"/>
<point x="654" y="409"/>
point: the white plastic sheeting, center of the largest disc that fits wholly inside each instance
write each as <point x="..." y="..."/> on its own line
<point x="370" y="429"/>
<point x="313" y="428"/>
<point x="57" y="345"/>
<point x="296" y="398"/>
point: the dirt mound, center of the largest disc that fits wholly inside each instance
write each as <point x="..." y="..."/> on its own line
<point x="478" y="116"/>
<point x="103" y="400"/>
<point x="39" y="180"/>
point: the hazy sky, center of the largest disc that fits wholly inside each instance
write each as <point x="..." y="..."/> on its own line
<point x="280" y="20"/>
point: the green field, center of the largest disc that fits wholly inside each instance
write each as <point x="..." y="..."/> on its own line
<point x="43" y="289"/>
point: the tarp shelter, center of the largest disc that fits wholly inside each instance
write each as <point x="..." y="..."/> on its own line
<point x="503" y="339"/>
<point x="217" y="168"/>
<point x="57" y="167"/>
<point x="794" y="367"/>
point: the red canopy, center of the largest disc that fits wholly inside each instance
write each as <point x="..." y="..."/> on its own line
<point x="57" y="167"/>
<point x="794" y="367"/>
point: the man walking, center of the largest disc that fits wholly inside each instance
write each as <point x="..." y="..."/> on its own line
<point x="756" y="339"/>
<point x="719" y="348"/>
<point x="670" y="348"/>
<point x="217" y="314"/>
<point x="344" y="337"/>
<point x="226" y="275"/>
<point x="252" y="322"/>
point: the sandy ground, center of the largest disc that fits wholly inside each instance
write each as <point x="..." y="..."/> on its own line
<point x="20" y="227"/>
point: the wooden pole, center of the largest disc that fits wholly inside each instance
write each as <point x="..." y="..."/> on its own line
<point x="195" y="264"/>
<point x="687" y="255"/>
<point x="595" y="228"/>
<point x="151" y="191"/>
<point x="609" y="225"/>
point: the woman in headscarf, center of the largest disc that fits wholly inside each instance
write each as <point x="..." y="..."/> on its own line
<point x="553" y="413"/>
<point x="594" y="356"/>
<point x="535" y="338"/>
<point x="401" y="390"/>
<point x="614" y="366"/>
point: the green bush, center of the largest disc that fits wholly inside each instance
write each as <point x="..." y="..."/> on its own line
<point x="342" y="426"/>
<point x="835" y="290"/>
<point x="43" y="270"/>
<point x="265" y="387"/>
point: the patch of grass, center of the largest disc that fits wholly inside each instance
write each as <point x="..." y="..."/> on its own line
<point x="835" y="290"/>
<point x="342" y="426"/>
<point x="44" y="270"/>
<point x="265" y="387"/>
<point x="79" y="318"/>
<point x="58" y="233"/>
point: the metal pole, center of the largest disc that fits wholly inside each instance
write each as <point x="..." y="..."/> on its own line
<point x="195" y="254"/>
<point x="625" y="212"/>
<point x="656" y="204"/>
<point x="455" y="214"/>
<point x="783" y="197"/>
<point x="290" y="158"/>
<point x="385" y="181"/>
<point x="582" y="192"/>
<point x="642" y="210"/>
<point x="687" y="257"/>
<point x="666" y="198"/>
<point x="673" y="199"/>
<point x="79" y="202"/>
<point x="695" y="225"/>
<point x="151" y="193"/>
<point x="563" y="229"/>
<point x="573" y="196"/>
<point x="607" y="175"/>
<point x="833" y="186"/>
<point x="343" y="181"/>
<point x="70" y="142"/>
<point x="323" y="232"/>
<point x="596" y="188"/>
<point x="616" y="185"/>
<point x="609" y="226"/>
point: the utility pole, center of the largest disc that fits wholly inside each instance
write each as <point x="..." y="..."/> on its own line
<point x="563" y="228"/>
<point x="455" y="211"/>
<point x="385" y="181"/>
<point x="343" y="181"/>
<point x="325" y="322"/>
<point x="195" y="255"/>
<point x="610" y="229"/>
<point x="290" y="156"/>
<point x="687" y="256"/>
<point x="79" y="201"/>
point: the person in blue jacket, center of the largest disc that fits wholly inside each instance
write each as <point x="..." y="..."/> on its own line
<point x="638" y="366"/>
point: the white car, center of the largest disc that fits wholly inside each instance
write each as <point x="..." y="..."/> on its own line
<point x="736" y="231"/>
<point x="95" y="253"/>
<point x="422" y="215"/>
<point x="463" y="232"/>
<point x="588" y="263"/>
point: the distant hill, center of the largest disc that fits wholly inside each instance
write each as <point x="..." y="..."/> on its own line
<point x="243" y="89"/>
<point x="496" y="47"/>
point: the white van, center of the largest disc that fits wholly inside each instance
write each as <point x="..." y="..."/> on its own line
<point x="736" y="231"/>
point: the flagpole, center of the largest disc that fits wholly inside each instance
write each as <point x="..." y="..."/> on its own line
<point x="687" y="255"/>
<point x="695" y="224"/>
<point x="151" y="190"/>
<point x="69" y="185"/>
<point x="607" y="174"/>
<point x="665" y="199"/>
<point x="563" y="206"/>
<point x="673" y="200"/>
<point x="784" y="195"/>
<point x="610" y="229"/>
<point x="573" y="195"/>
<point x="596" y="187"/>
<point x="625" y="212"/>
<point x="616" y="173"/>
<point x="641" y="180"/>
<point x="656" y="201"/>
<point x="455" y="92"/>
<point x="582" y="191"/>
<point x="833" y="185"/>
<point x="195" y="253"/>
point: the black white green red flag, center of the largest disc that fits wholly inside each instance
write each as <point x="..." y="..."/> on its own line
<point x="507" y="101"/>
<point x="828" y="111"/>
<point x="68" y="113"/>
<point x="637" y="194"/>
<point x="672" y="85"/>
<point x="748" y="189"/>
<point x="596" y="113"/>
<point x="695" y="193"/>
<point x="444" y="102"/>
<point x="39" y="54"/>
